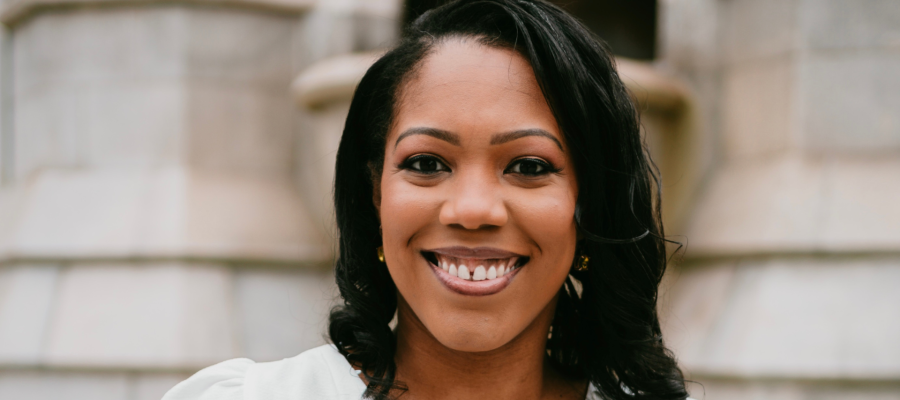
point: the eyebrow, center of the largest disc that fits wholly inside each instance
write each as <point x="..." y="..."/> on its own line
<point x="448" y="137"/>
<point x="498" y="138"/>
<point x="501" y="138"/>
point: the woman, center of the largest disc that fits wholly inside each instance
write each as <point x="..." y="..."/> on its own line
<point x="492" y="192"/>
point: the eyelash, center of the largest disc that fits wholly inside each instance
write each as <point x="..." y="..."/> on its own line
<point x="410" y="164"/>
<point x="547" y="167"/>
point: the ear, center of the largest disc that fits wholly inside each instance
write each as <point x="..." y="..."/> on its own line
<point x="376" y="197"/>
<point x="376" y="189"/>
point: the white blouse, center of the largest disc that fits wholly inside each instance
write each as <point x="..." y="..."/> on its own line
<point x="317" y="374"/>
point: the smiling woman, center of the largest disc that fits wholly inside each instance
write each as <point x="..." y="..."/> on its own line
<point x="492" y="192"/>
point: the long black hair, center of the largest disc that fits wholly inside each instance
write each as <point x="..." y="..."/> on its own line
<point x="605" y="328"/>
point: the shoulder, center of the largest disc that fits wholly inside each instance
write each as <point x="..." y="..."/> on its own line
<point x="319" y="373"/>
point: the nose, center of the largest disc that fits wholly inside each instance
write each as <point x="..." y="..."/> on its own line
<point x="475" y="203"/>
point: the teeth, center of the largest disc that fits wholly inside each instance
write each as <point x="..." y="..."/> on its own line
<point x="463" y="272"/>
<point x="493" y="270"/>
<point x="479" y="274"/>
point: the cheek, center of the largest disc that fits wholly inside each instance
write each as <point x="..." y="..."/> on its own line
<point x="548" y="219"/>
<point x="406" y="211"/>
<point x="405" y="208"/>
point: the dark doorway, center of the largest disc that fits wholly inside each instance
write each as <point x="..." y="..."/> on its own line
<point x="628" y="26"/>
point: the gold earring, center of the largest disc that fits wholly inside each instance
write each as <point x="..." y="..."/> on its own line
<point x="381" y="253"/>
<point x="582" y="264"/>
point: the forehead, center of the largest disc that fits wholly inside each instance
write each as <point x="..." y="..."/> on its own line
<point x="469" y="88"/>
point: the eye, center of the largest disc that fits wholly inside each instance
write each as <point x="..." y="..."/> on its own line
<point x="425" y="164"/>
<point x="530" y="167"/>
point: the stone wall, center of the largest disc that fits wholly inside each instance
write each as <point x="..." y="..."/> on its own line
<point x="161" y="207"/>
<point x="786" y="289"/>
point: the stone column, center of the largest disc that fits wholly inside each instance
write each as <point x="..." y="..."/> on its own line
<point x="156" y="215"/>
<point x="788" y="289"/>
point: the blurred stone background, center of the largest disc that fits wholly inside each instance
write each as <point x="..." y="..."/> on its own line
<point x="165" y="172"/>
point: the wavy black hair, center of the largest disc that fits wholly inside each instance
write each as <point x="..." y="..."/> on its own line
<point x="606" y="327"/>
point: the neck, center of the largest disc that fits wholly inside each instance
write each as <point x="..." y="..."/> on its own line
<point x="516" y="370"/>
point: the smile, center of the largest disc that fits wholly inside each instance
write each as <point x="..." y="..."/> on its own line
<point x="474" y="272"/>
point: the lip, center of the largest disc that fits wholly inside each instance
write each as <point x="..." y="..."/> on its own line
<point x="473" y="288"/>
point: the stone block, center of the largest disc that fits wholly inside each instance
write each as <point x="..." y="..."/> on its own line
<point x="140" y="316"/>
<point x="227" y="45"/>
<point x="101" y="45"/>
<point x="738" y="389"/>
<point x="757" y="29"/>
<point x="841" y="24"/>
<point x="93" y="125"/>
<point x="282" y="312"/>
<point x="761" y="206"/>
<point x="240" y="130"/>
<point x="100" y="214"/>
<point x="192" y="78"/>
<point x="691" y="302"/>
<point x="375" y="32"/>
<point x="152" y="386"/>
<point x="689" y="38"/>
<point x="804" y="318"/>
<point x="250" y="219"/>
<point x="26" y="298"/>
<point x="861" y="212"/>
<point x="316" y="154"/>
<point x="758" y="108"/>
<point x="849" y="101"/>
<point x="161" y="213"/>
<point x="47" y="385"/>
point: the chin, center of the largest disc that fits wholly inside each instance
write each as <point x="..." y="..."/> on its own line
<point x="471" y="338"/>
<point x="472" y="344"/>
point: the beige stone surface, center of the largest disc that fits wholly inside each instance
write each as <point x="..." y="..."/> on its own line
<point x="152" y="386"/>
<point x="861" y="211"/>
<point x="689" y="34"/>
<point x="26" y="304"/>
<point x="15" y="11"/>
<point x="806" y="318"/>
<point x="849" y="101"/>
<point x="787" y="289"/>
<point x="317" y="154"/>
<point x="766" y="206"/>
<point x="757" y="29"/>
<point x="155" y="212"/>
<point x="332" y="80"/>
<point x="161" y="213"/>
<point x="734" y="389"/>
<point x="758" y="108"/>
<point x="840" y="24"/>
<point x="241" y="131"/>
<point x="55" y="385"/>
<point x="155" y="87"/>
<point x="44" y="385"/>
<point x="282" y="313"/>
<point x="791" y="204"/>
<point x="159" y="316"/>
<point x="691" y="301"/>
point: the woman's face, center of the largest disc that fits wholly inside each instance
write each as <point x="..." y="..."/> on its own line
<point x="477" y="197"/>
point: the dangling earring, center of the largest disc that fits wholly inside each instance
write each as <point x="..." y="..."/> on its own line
<point x="381" y="253"/>
<point x="582" y="264"/>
